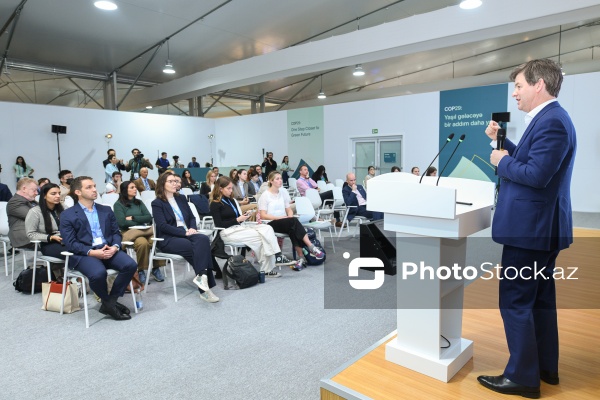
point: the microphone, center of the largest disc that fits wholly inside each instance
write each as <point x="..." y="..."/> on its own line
<point x="450" y="137"/>
<point x="460" y="140"/>
<point x="500" y="138"/>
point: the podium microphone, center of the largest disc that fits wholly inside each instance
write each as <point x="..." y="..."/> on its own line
<point x="500" y="138"/>
<point x="460" y="140"/>
<point x="450" y="137"/>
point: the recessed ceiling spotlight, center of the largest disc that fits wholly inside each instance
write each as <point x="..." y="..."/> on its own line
<point x="106" y="5"/>
<point x="358" y="71"/>
<point x="470" y="4"/>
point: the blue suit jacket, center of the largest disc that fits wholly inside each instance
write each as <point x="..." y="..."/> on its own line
<point x="534" y="203"/>
<point x="76" y="231"/>
<point x="166" y="223"/>
<point x="350" y="198"/>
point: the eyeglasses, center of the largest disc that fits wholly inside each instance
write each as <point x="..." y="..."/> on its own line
<point x="171" y="181"/>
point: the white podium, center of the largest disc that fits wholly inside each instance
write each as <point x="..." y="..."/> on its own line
<point x="431" y="228"/>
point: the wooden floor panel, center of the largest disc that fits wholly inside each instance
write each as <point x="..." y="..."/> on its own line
<point x="579" y="335"/>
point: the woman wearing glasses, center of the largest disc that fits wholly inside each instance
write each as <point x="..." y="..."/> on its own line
<point x="176" y="224"/>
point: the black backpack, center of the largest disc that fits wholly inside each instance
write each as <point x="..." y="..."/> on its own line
<point x="241" y="271"/>
<point x="23" y="282"/>
<point x="310" y="259"/>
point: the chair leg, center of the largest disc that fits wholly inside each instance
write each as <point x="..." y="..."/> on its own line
<point x="133" y="296"/>
<point x="173" y="276"/>
<point x="12" y="277"/>
<point x="5" y="258"/>
<point x="85" y="304"/>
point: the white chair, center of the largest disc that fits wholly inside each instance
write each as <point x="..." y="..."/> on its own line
<point x="148" y="194"/>
<point x="169" y="258"/>
<point x="313" y="196"/>
<point x="200" y="222"/>
<point x="304" y="208"/>
<point x="69" y="202"/>
<point x="339" y="183"/>
<point x="109" y="199"/>
<point x="148" y="204"/>
<point x="4" y="233"/>
<point x="329" y="186"/>
<point x="187" y="191"/>
<point x="322" y="185"/>
<point x="292" y="188"/>
<point x="45" y="259"/>
<point x="357" y="220"/>
<point x="72" y="273"/>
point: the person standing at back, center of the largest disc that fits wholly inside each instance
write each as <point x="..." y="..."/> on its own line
<point x="533" y="220"/>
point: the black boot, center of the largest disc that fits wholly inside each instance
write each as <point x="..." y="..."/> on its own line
<point x="109" y="307"/>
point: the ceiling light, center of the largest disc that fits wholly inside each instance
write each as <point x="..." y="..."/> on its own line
<point x="148" y="107"/>
<point x="321" y="93"/>
<point x="358" y="71"/>
<point x="106" y="5"/>
<point x="168" y="69"/>
<point x="470" y="4"/>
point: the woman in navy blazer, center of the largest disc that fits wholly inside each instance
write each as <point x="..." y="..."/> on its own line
<point x="176" y="225"/>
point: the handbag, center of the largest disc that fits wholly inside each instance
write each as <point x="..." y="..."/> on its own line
<point x="131" y="234"/>
<point x="241" y="271"/>
<point x="52" y="293"/>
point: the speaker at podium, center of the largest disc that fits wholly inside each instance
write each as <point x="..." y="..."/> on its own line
<point x="375" y="243"/>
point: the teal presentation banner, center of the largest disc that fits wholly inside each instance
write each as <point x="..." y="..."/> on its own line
<point x="468" y="111"/>
<point x="306" y="136"/>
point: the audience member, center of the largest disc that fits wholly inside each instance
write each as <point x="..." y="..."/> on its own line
<point x="17" y="208"/>
<point x="187" y="181"/>
<point x="240" y="193"/>
<point x="114" y="186"/>
<point x="112" y="152"/>
<point x="355" y="195"/>
<point x="143" y="183"/>
<point x="41" y="183"/>
<point x="176" y="163"/>
<point x="415" y="171"/>
<point x="304" y="182"/>
<point x="370" y="174"/>
<point x="274" y="205"/>
<point x="233" y="174"/>
<point x="176" y="225"/>
<point x="136" y="164"/>
<point x="284" y="167"/>
<point x="42" y="222"/>
<point x="22" y="170"/>
<point x="253" y="182"/>
<point x="110" y="168"/>
<point x="193" y="163"/>
<point x="65" y="177"/>
<point x="320" y="174"/>
<point x="395" y="168"/>
<point x="216" y="171"/>
<point x="207" y="186"/>
<point x="269" y="164"/>
<point x="5" y="193"/>
<point x="162" y="163"/>
<point x="90" y="231"/>
<point x="431" y="171"/>
<point x="129" y="212"/>
<point x="227" y="214"/>
<point x="262" y="178"/>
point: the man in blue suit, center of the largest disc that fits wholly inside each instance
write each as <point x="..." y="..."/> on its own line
<point x="91" y="233"/>
<point x="355" y="195"/>
<point x="533" y="221"/>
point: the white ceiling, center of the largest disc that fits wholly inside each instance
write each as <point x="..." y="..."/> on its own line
<point x="73" y="41"/>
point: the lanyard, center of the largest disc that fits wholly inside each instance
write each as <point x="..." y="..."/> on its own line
<point x="228" y="202"/>
<point x="177" y="212"/>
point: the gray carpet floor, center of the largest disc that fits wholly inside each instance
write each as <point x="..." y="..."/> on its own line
<point x="272" y="341"/>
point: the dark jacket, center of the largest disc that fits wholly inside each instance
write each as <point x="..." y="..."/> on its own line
<point x="350" y="198"/>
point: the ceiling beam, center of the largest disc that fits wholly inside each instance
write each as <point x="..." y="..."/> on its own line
<point x="446" y="27"/>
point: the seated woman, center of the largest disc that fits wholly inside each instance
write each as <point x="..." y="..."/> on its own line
<point x="227" y="214"/>
<point x="130" y="211"/>
<point x="241" y="192"/>
<point x="370" y="174"/>
<point x="415" y="171"/>
<point x="233" y="174"/>
<point x="320" y="174"/>
<point x="43" y="220"/>
<point x="274" y="205"/>
<point x="176" y="224"/>
<point x="395" y="168"/>
<point x="207" y="186"/>
<point x="431" y="171"/>
<point x="187" y="181"/>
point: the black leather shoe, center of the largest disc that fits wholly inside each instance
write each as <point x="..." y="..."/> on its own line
<point x="122" y="309"/>
<point x="107" y="309"/>
<point x="551" y="378"/>
<point x="503" y="385"/>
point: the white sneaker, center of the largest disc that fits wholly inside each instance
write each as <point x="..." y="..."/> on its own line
<point x="273" y="274"/>
<point x="212" y="296"/>
<point x="208" y="298"/>
<point x="202" y="282"/>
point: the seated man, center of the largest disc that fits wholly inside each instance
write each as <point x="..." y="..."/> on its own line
<point x="143" y="183"/>
<point x="355" y="195"/>
<point x="90" y="231"/>
<point x="17" y="208"/>
<point x="5" y="193"/>
<point x="114" y="186"/>
<point x="304" y="182"/>
<point x="65" y="177"/>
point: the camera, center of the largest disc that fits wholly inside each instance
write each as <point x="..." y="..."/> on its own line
<point x="139" y="156"/>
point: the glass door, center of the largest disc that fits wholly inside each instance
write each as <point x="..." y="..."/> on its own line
<point x="382" y="153"/>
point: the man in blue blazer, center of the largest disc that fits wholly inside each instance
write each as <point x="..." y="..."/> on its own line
<point x="355" y="195"/>
<point x="533" y="221"/>
<point x="91" y="233"/>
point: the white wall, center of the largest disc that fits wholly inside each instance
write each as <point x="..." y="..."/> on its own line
<point x="26" y="131"/>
